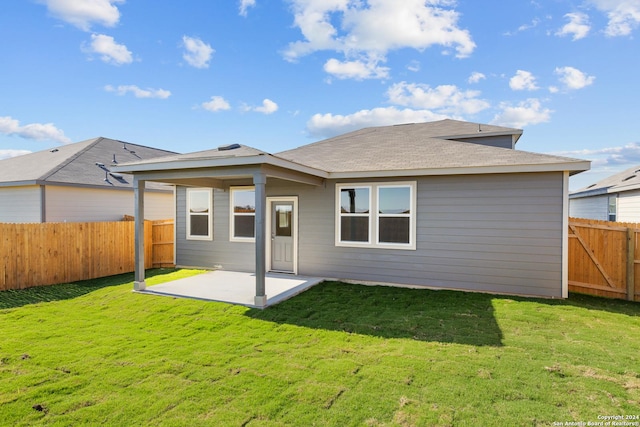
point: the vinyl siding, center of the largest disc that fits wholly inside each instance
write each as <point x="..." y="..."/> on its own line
<point x="629" y="206"/>
<point x="501" y="141"/>
<point x="20" y="204"/>
<point x="496" y="233"/>
<point x="235" y="256"/>
<point x="75" y="204"/>
<point x="595" y="207"/>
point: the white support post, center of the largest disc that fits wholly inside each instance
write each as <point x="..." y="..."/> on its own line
<point x="260" y="181"/>
<point x="138" y="194"/>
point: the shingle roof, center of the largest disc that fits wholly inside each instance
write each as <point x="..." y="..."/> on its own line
<point x="626" y="180"/>
<point x="75" y="164"/>
<point x="413" y="147"/>
<point x="234" y="150"/>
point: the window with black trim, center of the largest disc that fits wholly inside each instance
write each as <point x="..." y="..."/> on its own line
<point x="199" y="214"/>
<point x="243" y="213"/>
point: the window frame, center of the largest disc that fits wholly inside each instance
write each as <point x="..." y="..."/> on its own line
<point x="209" y="214"/>
<point x="375" y="215"/>
<point x="612" y="216"/>
<point x="232" y="214"/>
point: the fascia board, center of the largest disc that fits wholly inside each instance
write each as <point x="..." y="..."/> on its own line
<point x="219" y="162"/>
<point x="555" y="167"/>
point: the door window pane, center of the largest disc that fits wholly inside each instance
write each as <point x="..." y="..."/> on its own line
<point x="283" y="220"/>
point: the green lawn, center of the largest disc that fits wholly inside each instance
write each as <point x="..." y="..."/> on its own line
<point x="94" y="353"/>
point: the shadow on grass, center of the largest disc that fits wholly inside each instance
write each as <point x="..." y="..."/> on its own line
<point x="387" y="312"/>
<point x="65" y="291"/>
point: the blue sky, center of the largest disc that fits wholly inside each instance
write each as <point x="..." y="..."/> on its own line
<point x="196" y="74"/>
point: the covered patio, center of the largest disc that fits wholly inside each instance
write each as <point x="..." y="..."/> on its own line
<point x="222" y="168"/>
<point x="234" y="287"/>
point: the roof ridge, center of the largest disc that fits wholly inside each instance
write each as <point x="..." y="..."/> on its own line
<point x="69" y="159"/>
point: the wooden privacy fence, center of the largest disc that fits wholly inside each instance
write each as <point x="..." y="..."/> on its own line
<point x="51" y="253"/>
<point x="604" y="258"/>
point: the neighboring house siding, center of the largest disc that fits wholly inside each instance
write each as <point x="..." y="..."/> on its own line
<point x="496" y="233"/>
<point x="75" y="204"/>
<point x="20" y="204"/>
<point x="629" y="206"/>
<point x="595" y="207"/>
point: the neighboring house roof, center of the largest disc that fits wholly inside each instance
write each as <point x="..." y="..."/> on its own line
<point x="626" y="180"/>
<point x="400" y="150"/>
<point x="76" y="164"/>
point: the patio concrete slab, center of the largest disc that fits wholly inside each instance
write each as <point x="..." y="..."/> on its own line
<point x="234" y="287"/>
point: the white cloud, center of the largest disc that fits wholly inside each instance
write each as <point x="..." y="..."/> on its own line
<point x="327" y="125"/>
<point x="414" y="66"/>
<point x="6" y="154"/>
<point x="529" y="112"/>
<point x="578" y="26"/>
<point x="197" y="53"/>
<point x="217" y="103"/>
<point x="445" y="99"/>
<point x="357" y="70"/>
<point x="139" y="93"/>
<point x="623" y="15"/>
<point x="524" y="27"/>
<point x="267" y="107"/>
<point x="371" y="29"/>
<point x="245" y="5"/>
<point x="626" y="155"/>
<point x="109" y="51"/>
<point x="475" y="77"/>
<point x="523" y="80"/>
<point x="83" y="13"/>
<point x="572" y="78"/>
<point x="37" y="131"/>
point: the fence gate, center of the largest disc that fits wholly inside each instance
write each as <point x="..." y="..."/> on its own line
<point x="602" y="258"/>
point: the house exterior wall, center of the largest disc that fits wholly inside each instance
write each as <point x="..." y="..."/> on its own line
<point x="595" y="207"/>
<point x="477" y="232"/>
<point x="629" y="206"/>
<point x="77" y="204"/>
<point x="20" y="204"/>
<point x="500" y="141"/>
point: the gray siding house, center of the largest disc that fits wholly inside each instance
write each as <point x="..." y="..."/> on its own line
<point x="445" y="204"/>
<point x="615" y="198"/>
<point x="73" y="183"/>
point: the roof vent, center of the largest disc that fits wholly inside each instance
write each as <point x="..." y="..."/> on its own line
<point x="228" y="147"/>
<point x="114" y="161"/>
<point x="591" y="186"/>
<point x="628" y="178"/>
<point x="55" y="150"/>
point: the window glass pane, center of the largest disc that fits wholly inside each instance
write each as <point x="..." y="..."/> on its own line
<point x="393" y="230"/>
<point x="244" y="225"/>
<point x="394" y="200"/>
<point x="354" y="200"/>
<point x="199" y="201"/>
<point x="354" y="229"/>
<point x="199" y="225"/>
<point x="244" y="201"/>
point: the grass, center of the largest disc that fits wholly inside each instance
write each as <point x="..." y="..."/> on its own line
<point x="94" y="353"/>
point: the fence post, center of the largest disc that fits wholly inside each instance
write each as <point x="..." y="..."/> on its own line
<point x="631" y="260"/>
